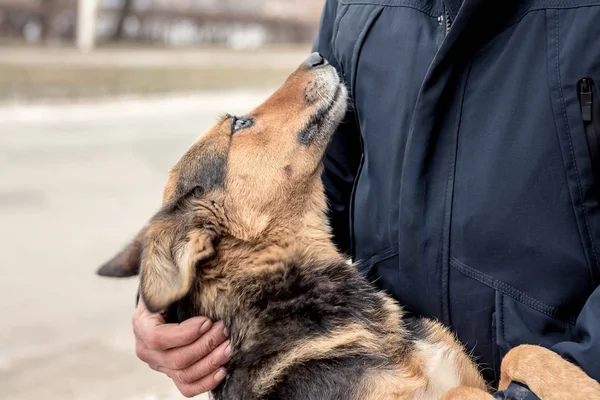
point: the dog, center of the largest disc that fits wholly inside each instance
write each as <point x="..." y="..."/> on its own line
<point x="242" y="236"/>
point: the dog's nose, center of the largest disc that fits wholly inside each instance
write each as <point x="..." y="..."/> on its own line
<point x="315" y="61"/>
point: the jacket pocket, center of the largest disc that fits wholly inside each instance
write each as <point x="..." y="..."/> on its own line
<point x="590" y="115"/>
<point x="572" y="67"/>
<point x="516" y="323"/>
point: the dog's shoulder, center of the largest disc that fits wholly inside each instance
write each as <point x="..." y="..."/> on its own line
<point x="317" y="293"/>
<point x="308" y="320"/>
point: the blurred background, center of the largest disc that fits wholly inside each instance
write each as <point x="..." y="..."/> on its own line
<point x="98" y="99"/>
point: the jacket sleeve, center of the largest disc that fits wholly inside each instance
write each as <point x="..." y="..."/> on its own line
<point x="343" y="155"/>
<point x="585" y="352"/>
<point x="515" y="391"/>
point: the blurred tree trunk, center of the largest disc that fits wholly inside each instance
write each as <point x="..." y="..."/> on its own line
<point x="123" y="14"/>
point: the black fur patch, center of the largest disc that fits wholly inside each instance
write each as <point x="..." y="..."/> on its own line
<point x="180" y="311"/>
<point x="415" y="327"/>
<point x="314" y="125"/>
<point x="205" y="165"/>
<point x="334" y="378"/>
<point x="179" y="204"/>
<point x="286" y="307"/>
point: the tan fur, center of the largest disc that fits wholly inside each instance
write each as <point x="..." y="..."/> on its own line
<point x="547" y="374"/>
<point x="320" y="347"/>
<point x="468" y="372"/>
<point x="169" y="190"/>
<point x="168" y="275"/>
<point x="402" y="383"/>
<point x="270" y="211"/>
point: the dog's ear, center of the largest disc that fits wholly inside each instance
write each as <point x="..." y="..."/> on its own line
<point x="179" y="238"/>
<point x="169" y="262"/>
<point x="127" y="262"/>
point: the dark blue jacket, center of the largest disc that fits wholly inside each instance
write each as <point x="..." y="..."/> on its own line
<point x="465" y="177"/>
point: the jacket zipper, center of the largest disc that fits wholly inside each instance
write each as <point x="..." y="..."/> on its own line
<point x="447" y="19"/>
<point x="590" y="114"/>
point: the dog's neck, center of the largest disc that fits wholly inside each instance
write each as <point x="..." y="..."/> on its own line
<point x="229" y="288"/>
<point x="305" y="241"/>
<point x="306" y="236"/>
<point x="298" y="223"/>
<point x="255" y="243"/>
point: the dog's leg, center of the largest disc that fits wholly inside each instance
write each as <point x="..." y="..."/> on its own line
<point x="547" y="374"/>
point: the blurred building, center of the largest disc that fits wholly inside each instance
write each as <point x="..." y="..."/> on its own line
<point x="235" y="23"/>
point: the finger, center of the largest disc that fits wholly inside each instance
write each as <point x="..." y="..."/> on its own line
<point x="204" y="385"/>
<point x="208" y="365"/>
<point x="143" y="311"/>
<point x="157" y="335"/>
<point x="171" y="336"/>
<point x="159" y="339"/>
<point x="182" y="357"/>
<point x="144" y="321"/>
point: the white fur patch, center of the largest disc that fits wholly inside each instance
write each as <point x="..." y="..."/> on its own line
<point x="441" y="369"/>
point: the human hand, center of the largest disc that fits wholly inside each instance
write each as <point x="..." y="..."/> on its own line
<point x="191" y="353"/>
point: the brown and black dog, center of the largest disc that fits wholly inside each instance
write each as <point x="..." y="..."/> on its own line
<point x="243" y="237"/>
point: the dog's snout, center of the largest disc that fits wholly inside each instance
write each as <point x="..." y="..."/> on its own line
<point x="315" y="60"/>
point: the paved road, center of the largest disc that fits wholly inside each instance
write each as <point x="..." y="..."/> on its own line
<point x="76" y="182"/>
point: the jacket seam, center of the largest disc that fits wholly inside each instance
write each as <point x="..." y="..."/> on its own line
<point x="511" y="291"/>
<point x="449" y="201"/>
<point x="547" y="5"/>
<point x="521" y="17"/>
<point x="353" y="66"/>
<point x="334" y="36"/>
<point x="425" y="10"/>
<point x="389" y="252"/>
<point x="552" y="5"/>
<point x="358" y="46"/>
<point x="376" y="258"/>
<point x="571" y="150"/>
<point x="545" y="9"/>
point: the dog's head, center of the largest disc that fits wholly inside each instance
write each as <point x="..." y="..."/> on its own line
<point x="246" y="178"/>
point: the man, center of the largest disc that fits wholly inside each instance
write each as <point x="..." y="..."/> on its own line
<point x="465" y="177"/>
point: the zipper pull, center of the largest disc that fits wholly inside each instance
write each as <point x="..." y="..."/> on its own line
<point x="585" y="94"/>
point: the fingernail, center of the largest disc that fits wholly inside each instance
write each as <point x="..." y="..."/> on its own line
<point x="205" y="327"/>
<point x="226" y="332"/>
<point x="220" y="375"/>
<point x="228" y="350"/>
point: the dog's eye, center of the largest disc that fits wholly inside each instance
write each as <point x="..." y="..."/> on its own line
<point x="240" y="123"/>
